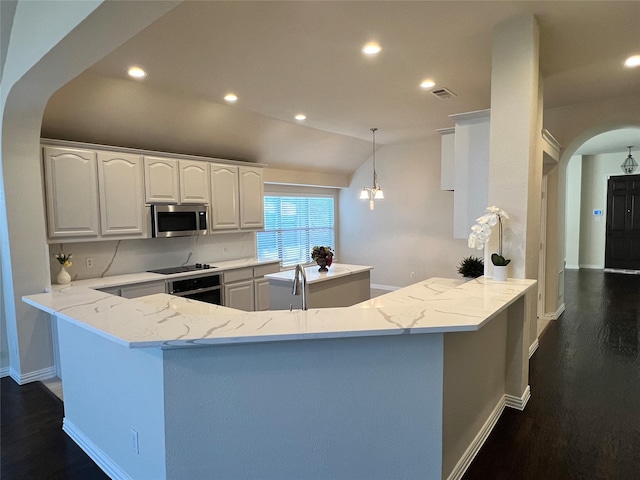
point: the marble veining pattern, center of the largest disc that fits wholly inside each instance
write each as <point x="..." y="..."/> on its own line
<point x="314" y="275"/>
<point x="162" y="320"/>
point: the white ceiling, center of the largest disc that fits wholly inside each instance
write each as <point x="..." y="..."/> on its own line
<point x="282" y="58"/>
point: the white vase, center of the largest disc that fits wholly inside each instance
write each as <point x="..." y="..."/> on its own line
<point x="63" y="277"/>
<point x="500" y="273"/>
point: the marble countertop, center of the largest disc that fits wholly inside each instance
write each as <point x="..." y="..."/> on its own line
<point x="143" y="277"/>
<point x="433" y="306"/>
<point x="313" y="274"/>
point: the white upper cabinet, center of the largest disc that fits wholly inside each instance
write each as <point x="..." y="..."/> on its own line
<point x="237" y="197"/>
<point x="161" y="180"/>
<point x="225" y="201"/>
<point x="120" y="185"/>
<point x="71" y="192"/>
<point x="251" y="198"/>
<point x="194" y="187"/>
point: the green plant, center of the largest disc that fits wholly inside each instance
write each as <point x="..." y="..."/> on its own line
<point x="471" y="266"/>
<point x="499" y="260"/>
<point x="64" y="260"/>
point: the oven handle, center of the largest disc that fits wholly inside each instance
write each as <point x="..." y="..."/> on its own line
<point x="197" y="290"/>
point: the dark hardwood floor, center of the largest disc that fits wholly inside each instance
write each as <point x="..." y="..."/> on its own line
<point x="583" y="418"/>
<point x="32" y="443"/>
<point x="582" y="422"/>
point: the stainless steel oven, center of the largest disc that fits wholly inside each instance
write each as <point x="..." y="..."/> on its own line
<point x="205" y="288"/>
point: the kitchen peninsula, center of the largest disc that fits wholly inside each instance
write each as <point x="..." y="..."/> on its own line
<point x="406" y="385"/>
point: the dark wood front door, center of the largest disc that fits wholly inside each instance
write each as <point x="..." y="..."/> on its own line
<point x="623" y="223"/>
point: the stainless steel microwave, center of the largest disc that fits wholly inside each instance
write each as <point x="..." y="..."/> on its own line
<point x="178" y="220"/>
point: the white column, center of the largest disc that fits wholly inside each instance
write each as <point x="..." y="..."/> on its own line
<point x="515" y="165"/>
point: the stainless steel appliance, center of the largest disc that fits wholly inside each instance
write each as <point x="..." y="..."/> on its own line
<point x="178" y="220"/>
<point x="205" y="288"/>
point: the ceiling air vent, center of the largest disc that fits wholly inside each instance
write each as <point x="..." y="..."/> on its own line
<point x="443" y="93"/>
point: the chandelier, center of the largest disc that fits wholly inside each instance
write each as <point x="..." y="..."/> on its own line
<point x="630" y="164"/>
<point x="375" y="192"/>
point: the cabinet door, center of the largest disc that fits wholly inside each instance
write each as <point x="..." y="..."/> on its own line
<point x="239" y="295"/>
<point x="261" y="291"/>
<point x="224" y="208"/>
<point x="121" y="198"/>
<point x="143" y="289"/>
<point x="251" y="198"/>
<point x="71" y="192"/>
<point x="194" y="184"/>
<point x="161" y="184"/>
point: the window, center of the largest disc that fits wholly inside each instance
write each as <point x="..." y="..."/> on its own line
<point x="293" y="225"/>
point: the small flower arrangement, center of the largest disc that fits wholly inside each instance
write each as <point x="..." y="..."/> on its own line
<point x="482" y="229"/>
<point x="322" y="252"/>
<point x="63" y="259"/>
<point x="323" y="257"/>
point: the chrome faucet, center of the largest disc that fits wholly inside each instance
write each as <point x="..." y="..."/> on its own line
<point x="300" y="285"/>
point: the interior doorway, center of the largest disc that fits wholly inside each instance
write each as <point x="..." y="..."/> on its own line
<point x="622" y="242"/>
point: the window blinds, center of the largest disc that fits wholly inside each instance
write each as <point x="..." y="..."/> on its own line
<point x="293" y="225"/>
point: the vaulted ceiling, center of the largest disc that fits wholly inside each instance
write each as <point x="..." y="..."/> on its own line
<point x="284" y="58"/>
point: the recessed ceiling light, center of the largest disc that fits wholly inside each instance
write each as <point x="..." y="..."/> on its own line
<point x="427" y="84"/>
<point x="136" y="72"/>
<point x="633" y="61"/>
<point x="300" y="117"/>
<point x="371" y="48"/>
<point x="231" y="97"/>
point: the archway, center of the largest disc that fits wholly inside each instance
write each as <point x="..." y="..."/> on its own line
<point x="50" y="44"/>
<point x="587" y="171"/>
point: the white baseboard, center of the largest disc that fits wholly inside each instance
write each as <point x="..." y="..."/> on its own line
<point x="533" y="347"/>
<point x="94" y="452"/>
<point x="592" y="267"/>
<point x="622" y="270"/>
<point x="38" y="375"/>
<point x="4" y="372"/>
<point x="389" y="288"/>
<point x="518" y="403"/>
<point x="559" y="312"/>
<point x="572" y="267"/>
<point x="473" y="449"/>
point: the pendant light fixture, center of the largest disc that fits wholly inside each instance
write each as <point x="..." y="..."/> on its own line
<point x="375" y="192"/>
<point x="630" y="164"/>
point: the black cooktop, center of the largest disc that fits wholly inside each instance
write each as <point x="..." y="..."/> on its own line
<point x="185" y="268"/>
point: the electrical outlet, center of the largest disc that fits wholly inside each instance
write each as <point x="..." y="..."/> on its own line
<point x="412" y="275"/>
<point x="89" y="262"/>
<point x="134" y="441"/>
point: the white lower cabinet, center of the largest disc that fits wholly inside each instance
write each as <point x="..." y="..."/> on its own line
<point x="136" y="289"/>
<point x="239" y="295"/>
<point x="261" y="292"/>
<point x="143" y="289"/>
<point x="246" y="288"/>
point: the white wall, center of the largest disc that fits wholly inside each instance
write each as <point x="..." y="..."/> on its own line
<point x="38" y="62"/>
<point x="110" y="389"/>
<point x="352" y="408"/>
<point x="596" y="169"/>
<point x="572" y="216"/>
<point x="4" y="345"/>
<point x="411" y="230"/>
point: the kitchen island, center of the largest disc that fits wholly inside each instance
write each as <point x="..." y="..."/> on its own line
<point x="406" y="385"/>
<point x="342" y="285"/>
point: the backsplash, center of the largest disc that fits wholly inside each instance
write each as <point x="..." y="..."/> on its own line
<point x="120" y="257"/>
